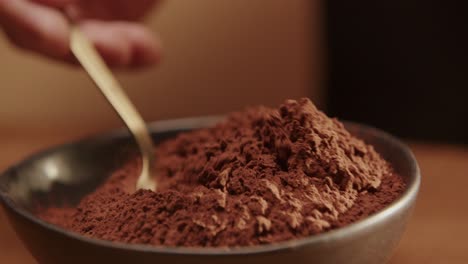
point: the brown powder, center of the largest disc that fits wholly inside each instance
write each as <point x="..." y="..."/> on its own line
<point x="260" y="176"/>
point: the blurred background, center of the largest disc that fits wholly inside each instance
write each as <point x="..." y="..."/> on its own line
<point x="218" y="56"/>
<point x="398" y="65"/>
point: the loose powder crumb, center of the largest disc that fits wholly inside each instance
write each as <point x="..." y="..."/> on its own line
<point x="260" y="176"/>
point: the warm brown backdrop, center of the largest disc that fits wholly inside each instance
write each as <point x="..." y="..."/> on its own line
<point x="219" y="55"/>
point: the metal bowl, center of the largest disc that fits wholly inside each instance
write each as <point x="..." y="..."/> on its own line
<point x="63" y="175"/>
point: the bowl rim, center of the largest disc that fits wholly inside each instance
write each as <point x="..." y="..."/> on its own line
<point x="405" y="200"/>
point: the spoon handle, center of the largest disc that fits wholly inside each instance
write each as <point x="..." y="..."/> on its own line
<point x="102" y="76"/>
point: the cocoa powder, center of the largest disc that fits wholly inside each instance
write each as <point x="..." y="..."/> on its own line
<point x="260" y="176"/>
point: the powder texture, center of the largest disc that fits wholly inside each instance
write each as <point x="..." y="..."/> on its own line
<point x="260" y="176"/>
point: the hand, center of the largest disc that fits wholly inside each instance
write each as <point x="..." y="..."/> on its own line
<point x="41" y="26"/>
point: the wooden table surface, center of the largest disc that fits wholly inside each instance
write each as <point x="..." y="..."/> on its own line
<point x="437" y="232"/>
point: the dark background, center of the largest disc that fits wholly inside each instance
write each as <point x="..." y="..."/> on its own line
<point x="400" y="65"/>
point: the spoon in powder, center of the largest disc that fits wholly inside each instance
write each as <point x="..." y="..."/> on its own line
<point x="102" y="76"/>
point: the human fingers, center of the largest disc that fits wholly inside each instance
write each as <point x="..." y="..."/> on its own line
<point x="35" y="27"/>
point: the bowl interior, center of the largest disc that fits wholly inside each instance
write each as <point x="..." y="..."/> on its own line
<point x="64" y="175"/>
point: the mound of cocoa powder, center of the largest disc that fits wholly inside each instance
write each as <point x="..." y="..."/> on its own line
<point x="260" y="176"/>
